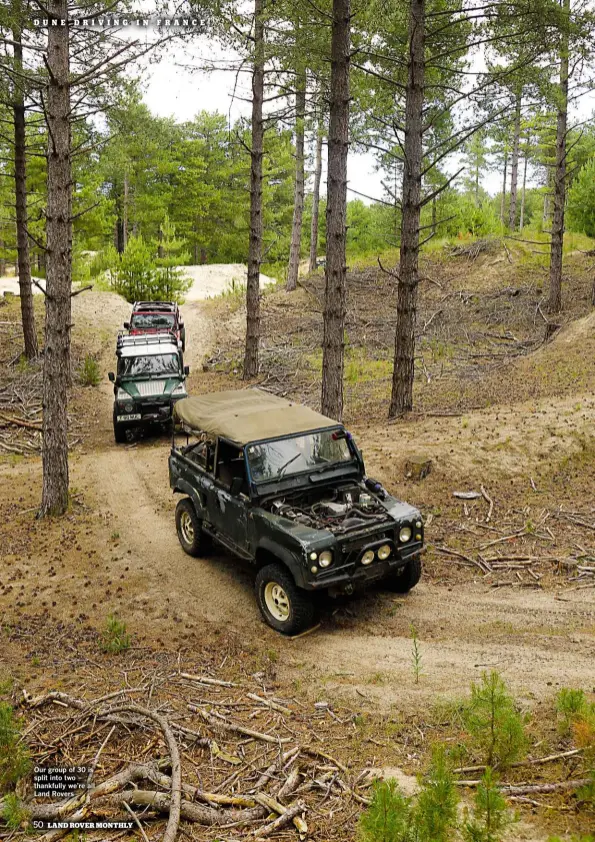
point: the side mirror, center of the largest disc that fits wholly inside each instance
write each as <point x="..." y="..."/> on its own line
<point x="112" y="377"/>
<point x="236" y="486"/>
<point x="181" y="324"/>
<point x="186" y="370"/>
<point x="126" y="325"/>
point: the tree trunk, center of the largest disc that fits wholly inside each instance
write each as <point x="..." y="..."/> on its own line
<point x="503" y="200"/>
<point x="56" y="368"/>
<point x="298" y="204"/>
<point x="522" y="219"/>
<point x="20" y="187"/>
<point x="255" y="246"/>
<point x="2" y="259"/>
<point x="403" y="371"/>
<point x="514" y="164"/>
<point x="554" y="304"/>
<point x="336" y="214"/>
<point x="316" y="197"/>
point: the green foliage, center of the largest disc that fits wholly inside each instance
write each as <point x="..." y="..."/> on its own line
<point x="136" y="275"/>
<point x="569" y="704"/>
<point x="14" y="814"/>
<point x="436" y="807"/>
<point x="431" y="817"/>
<point x="90" y="374"/>
<point x="389" y="818"/>
<point x="14" y="756"/>
<point x="493" y="723"/>
<point x="581" y="201"/>
<point x="115" y="638"/>
<point x="490" y="816"/>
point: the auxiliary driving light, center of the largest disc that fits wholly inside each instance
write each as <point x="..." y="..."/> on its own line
<point x="368" y="557"/>
<point x="313" y="556"/>
<point x="384" y="552"/>
<point x="405" y="534"/>
<point x="326" y="558"/>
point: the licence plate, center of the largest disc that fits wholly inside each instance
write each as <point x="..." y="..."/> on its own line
<point x="133" y="417"/>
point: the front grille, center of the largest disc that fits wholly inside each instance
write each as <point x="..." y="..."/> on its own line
<point x="150" y="387"/>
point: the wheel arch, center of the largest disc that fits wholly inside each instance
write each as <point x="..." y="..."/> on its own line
<point x="268" y="552"/>
<point x="182" y="486"/>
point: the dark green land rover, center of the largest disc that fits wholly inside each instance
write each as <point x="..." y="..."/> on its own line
<point x="284" y="488"/>
<point x="150" y="379"/>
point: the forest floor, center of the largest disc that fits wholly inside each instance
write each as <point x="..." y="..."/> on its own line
<point x="508" y="584"/>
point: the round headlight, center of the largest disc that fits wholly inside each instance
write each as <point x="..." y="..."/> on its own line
<point x="368" y="557"/>
<point x="325" y="559"/>
<point x="384" y="552"/>
<point x="405" y="534"/>
<point x="129" y="407"/>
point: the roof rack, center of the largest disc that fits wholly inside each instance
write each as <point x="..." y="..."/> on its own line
<point x="126" y="341"/>
<point x="154" y="305"/>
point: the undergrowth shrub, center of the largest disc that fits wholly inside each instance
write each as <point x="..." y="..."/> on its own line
<point x="14" y="756"/>
<point x="494" y="725"/>
<point x="115" y="638"/>
<point x="90" y="374"/>
<point x="14" y="814"/>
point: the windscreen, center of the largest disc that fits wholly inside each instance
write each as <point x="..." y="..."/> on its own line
<point x="314" y="451"/>
<point x="152" y="321"/>
<point x="165" y="364"/>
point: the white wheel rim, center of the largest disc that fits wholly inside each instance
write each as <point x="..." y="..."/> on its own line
<point x="186" y="527"/>
<point x="277" y="602"/>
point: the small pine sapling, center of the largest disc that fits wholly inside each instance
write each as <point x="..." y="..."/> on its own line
<point x="436" y="807"/>
<point x="388" y="818"/>
<point x="416" y="663"/>
<point x="493" y="723"/>
<point x="490" y="814"/>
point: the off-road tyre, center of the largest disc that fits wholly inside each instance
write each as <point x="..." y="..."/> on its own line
<point x="274" y="583"/>
<point x="405" y="579"/>
<point x="120" y="431"/>
<point x="183" y="339"/>
<point x="191" y="535"/>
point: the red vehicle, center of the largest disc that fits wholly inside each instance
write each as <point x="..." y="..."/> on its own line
<point x="157" y="317"/>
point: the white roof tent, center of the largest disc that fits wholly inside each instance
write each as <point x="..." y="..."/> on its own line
<point x="247" y="415"/>
<point x="146" y="345"/>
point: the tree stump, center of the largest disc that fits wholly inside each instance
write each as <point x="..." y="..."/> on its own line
<point x="417" y="467"/>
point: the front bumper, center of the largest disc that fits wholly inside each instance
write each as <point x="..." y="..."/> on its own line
<point x="150" y="412"/>
<point x="349" y="573"/>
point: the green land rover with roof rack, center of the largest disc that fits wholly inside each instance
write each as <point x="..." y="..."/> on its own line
<point x="285" y="489"/>
<point x="150" y="378"/>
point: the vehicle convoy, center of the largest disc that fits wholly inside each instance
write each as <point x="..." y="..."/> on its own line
<point x="157" y="317"/>
<point x="284" y="488"/>
<point x="150" y="378"/>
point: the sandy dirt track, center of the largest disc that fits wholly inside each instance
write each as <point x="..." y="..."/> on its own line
<point x="538" y="640"/>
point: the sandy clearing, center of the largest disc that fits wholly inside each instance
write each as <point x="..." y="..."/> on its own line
<point x="213" y="279"/>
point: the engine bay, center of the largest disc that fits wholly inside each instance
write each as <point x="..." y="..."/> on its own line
<point x="339" y="509"/>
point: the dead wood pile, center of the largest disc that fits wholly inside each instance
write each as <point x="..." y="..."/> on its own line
<point x="235" y="758"/>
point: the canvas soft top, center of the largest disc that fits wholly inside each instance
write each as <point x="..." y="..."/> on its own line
<point x="247" y="415"/>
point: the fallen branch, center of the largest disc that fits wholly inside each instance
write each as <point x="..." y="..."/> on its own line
<point x="535" y="762"/>
<point x="488" y="500"/>
<point x="217" y="720"/>
<point x="291" y="814"/>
